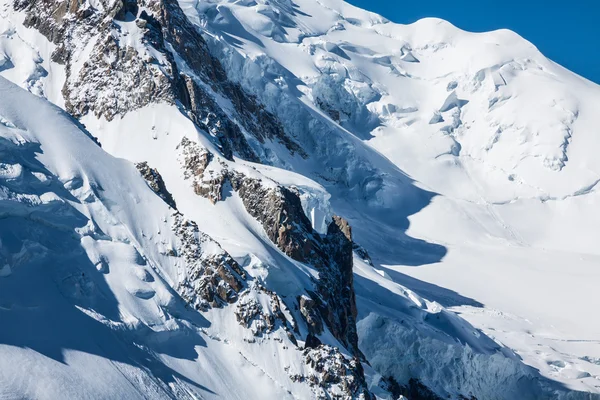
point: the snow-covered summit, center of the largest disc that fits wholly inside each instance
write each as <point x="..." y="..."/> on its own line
<point x="326" y="204"/>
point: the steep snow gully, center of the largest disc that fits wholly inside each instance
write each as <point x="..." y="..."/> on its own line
<point x="291" y="199"/>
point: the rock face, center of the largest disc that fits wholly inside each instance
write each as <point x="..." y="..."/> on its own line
<point x="156" y="183"/>
<point x="211" y="278"/>
<point x="194" y="162"/>
<point x="331" y="372"/>
<point x="262" y="311"/>
<point x="336" y="284"/>
<point x="107" y="77"/>
<point x="280" y="212"/>
<point x="308" y="309"/>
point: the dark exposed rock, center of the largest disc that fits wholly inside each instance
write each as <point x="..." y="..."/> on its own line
<point x="194" y="161"/>
<point x="310" y="312"/>
<point x="127" y="7"/>
<point x="60" y="55"/>
<point x="250" y="314"/>
<point x="260" y="320"/>
<point x="336" y="285"/>
<point x="362" y="253"/>
<point x="48" y="19"/>
<point x="211" y="188"/>
<point x="210" y="278"/>
<point x="195" y="158"/>
<point x="117" y="79"/>
<point x="205" y="113"/>
<point x="312" y="342"/>
<point x="393" y="387"/>
<point x="156" y="183"/>
<point x="333" y="376"/>
<point x="280" y="212"/>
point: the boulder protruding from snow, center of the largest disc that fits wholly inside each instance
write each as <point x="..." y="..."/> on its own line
<point x="156" y="183"/>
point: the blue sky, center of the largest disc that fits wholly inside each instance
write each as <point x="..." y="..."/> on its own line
<point x="566" y="31"/>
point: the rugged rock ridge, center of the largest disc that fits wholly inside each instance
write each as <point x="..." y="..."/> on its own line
<point x="280" y="212"/>
<point x="156" y="182"/>
<point x="332" y="303"/>
<point x="262" y="311"/>
<point x="194" y="161"/>
<point x="123" y="56"/>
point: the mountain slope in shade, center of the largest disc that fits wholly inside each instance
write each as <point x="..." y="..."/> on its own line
<point x="464" y="164"/>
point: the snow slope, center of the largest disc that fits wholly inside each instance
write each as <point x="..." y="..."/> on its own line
<point x="464" y="162"/>
<point x="501" y="135"/>
<point x="90" y="243"/>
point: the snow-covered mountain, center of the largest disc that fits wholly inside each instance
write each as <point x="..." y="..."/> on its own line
<point x="277" y="199"/>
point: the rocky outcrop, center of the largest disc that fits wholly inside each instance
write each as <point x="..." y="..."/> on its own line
<point x="156" y="183"/>
<point x="194" y="161"/>
<point x="262" y="311"/>
<point x="280" y="212"/>
<point x="108" y="77"/>
<point x="336" y="284"/>
<point x="310" y="313"/>
<point x="333" y="376"/>
<point x="103" y="76"/>
<point x="209" y="276"/>
<point x="250" y="314"/>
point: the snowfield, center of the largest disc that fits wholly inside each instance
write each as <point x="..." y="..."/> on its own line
<point x="466" y="165"/>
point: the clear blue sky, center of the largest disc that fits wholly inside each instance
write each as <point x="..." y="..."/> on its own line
<point x="566" y="31"/>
